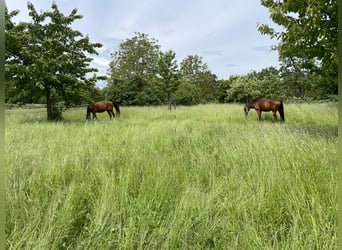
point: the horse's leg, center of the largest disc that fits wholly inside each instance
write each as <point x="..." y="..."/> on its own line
<point x="259" y="114"/>
<point x="110" y="114"/>
<point x="94" y="116"/>
<point x="274" y="115"/>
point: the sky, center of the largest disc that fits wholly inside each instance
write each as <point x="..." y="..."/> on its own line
<point x="223" y="32"/>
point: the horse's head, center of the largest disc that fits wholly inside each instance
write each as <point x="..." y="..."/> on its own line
<point x="246" y="110"/>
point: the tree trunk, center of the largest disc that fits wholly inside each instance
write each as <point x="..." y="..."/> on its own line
<point x="302" y="95"/>
<point x="169" y="101"/>
<point x="48" y="103"/>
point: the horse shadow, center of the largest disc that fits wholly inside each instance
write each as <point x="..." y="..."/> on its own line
<point x="267" y="117"/>
<point x="316" y="131"/>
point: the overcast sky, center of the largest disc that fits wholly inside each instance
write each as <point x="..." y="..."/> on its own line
<point x="223" y="32"/>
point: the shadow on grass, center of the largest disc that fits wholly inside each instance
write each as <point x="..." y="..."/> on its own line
<point x="43" y="120"/>
<point x="312" y="129"/>
<point x="317" y="131"/>
<point x="265" y="117"/>
<point x="68" y="121"/>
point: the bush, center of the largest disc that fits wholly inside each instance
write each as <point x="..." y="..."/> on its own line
<point x="57" y="111"/>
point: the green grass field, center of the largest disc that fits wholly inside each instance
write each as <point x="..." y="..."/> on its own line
<point x="201" y="177"/>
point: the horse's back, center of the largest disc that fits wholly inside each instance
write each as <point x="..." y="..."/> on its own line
<point x="267" y="104"/>
<point x="274" y="102"/>
<point x="103" y="106"/>
<point x="103" y="103"/>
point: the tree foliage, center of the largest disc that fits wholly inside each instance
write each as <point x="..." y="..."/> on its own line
<point x="308" y="38"/>
<point x="132" y="71"/>
<point x="265" y="83"/>
<point x="136" y="57"/>
<point x="168" y="75"/>
<point x="140" y="74"/>
<point x="195" y="72"/>
<point x="49" y="60"/>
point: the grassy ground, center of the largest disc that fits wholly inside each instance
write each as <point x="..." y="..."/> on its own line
<point x="195" y="178"/>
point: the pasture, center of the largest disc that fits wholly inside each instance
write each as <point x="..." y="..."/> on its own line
<point x="201" y="177"/>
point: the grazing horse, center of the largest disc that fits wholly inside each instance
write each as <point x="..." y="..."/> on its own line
<point x="99" y="107"/>
<point x="266" y="105"/>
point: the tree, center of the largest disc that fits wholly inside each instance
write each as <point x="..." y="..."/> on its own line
<point x="192" y="67"/>
<point x="243" y="89"/>
<point x="266" y="83"/>
<point x="52" y="61"/>
<point x="302" y="83"/>
<point x="132" y="69"/>
<point x="195" y="72"/>
<point x="296" y="77"/>
<point x="309" y="34"/>
<point x="223" y="86"/>
<point x="13" y="37"/>
<point x="136" y="57"/>
<point x="187" y="93"/>
<point x="208" y="85"/>
<point x="168" y="74"/>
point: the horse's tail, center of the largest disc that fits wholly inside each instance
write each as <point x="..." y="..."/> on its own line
<point x="88" y="112"/>
<point x="281" y="111"/>
<point x="117" y="109"/>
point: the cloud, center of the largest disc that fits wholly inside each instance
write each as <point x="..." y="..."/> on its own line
<point x="213" y="52"/>
<point x="221" y="31"/>
<point x="262" y="48"/>
<point x="232" y="65"/>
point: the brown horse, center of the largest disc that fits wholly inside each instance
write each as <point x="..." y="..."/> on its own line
<point x="99" y="107"/>
<point x="266" y="105"/>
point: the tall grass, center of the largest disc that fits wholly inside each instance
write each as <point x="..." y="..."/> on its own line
<point x="195" y="178"/>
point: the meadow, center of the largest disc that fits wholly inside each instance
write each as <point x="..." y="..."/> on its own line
<point x="199" y="177"/>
